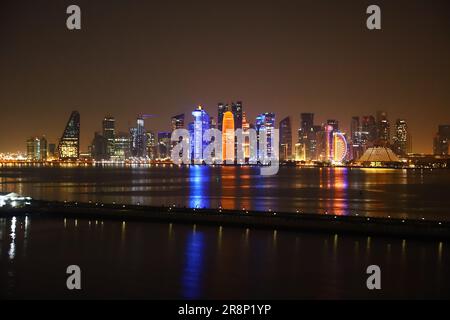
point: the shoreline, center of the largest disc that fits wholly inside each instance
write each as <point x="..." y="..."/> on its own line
<point x="301" y="222"/>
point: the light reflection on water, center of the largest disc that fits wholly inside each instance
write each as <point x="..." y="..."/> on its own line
<point x="191" y="278"/>
<point x="340" y="191"/>
<point x="205" y="261"/>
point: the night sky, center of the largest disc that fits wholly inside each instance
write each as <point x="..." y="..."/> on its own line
<point x="166" y="57"/>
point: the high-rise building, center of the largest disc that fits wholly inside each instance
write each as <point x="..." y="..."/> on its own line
<point x="164" y="144"/>
<point x="43" y="149"/>
<point x="285" y="139"/>
<point x="265" y="122"/>
<point x="228" y="137"/>
<point x="177" y="123"/>
<point x="324" y="140"/>
<point x="369" y="131"/>
<point x="245" y="136"/>
<point x="52" y="154"/>
<point x="33" y="149"/>
<point x="69" y="145"/>
<point x="122" y="146"/>
<point x="402" y="138"/>
<point x="236" y="109"/>
<point x="357" y="143"/>
<point x="138" y="137"/>
<point x="109" y="133"/>
<point x="221" y="109"/>
<point x="441" y="140"/>
<point x="152" y="145"/>
<point x="307" y="135"/>
<point x="201" y="124"/>
<point x="383" y="129"/>
<point x="99" y="147"/>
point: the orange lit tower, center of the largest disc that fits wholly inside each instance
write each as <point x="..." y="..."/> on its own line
<point x="228" y="136"/>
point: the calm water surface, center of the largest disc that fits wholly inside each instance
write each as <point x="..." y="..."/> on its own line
<point x="342" y="191"/>
<point x="174" y="261"/>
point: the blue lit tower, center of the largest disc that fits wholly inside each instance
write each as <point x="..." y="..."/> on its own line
<point x="265" y="122"/>
<point x="201" y="124"/>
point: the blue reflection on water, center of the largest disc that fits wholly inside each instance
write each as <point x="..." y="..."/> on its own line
<point x="198" y="185"/>
<point x="191" y="282"/>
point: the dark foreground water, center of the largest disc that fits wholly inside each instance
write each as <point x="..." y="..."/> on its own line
<point x="149" y="260"/>
<point x="342" y="191"/>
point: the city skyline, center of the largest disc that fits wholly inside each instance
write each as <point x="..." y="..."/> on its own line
<point x="392" y="133"/>
<point x="322" y="60"/>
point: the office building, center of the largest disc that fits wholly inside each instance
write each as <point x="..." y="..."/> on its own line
<point x="69" y="144"/>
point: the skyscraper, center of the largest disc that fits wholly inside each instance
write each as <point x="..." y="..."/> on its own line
<point x="69" y="145"/>
<point x="285" y="139"/>
<point x="356" y="137"/>
<point x="122" y="146"/>
<point x="246" y="136"/>
<point x="221" y="109"/>
<point x="164" y="144"/>
<point x="441" y="140"/>
<point x="33" y="149"/>
<point x="236" y="109"/>
<point x="369" y="131"/>
<point x="201" y="124"/>
<point x="307" y="135"/>
<point x="43" y="149"/>
<point x="138" y="137"/>
<point x="99" y="147"/>
<point x="402" y="138"/>
<point x="383" y="129"/>
<point x="109" y="133"/>
<point x="228" y="137"/>
<point x="265" y="123"/>
<point x="152" y="145"/>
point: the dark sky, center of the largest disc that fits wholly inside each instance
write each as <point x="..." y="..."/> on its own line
<point x="166" y="57"/>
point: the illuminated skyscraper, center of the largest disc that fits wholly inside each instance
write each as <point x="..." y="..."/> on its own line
<point x="33" y="149"/>
<point x="246" y="136"/>
<point x="138" y="137"/>
<point x="69" y="145"/>
<point x="307" y="135"/>
<point x="152" y="145"/>
<point x="441" y="140"/>
<point x="43" y="149"/>
<point x="201" y="124"/>
<point x="402" y="138"/>
<point x="285" y="139"/>
<point x="122" y="146"/>
<point x="236" y="109"/>
<point x="356" y="136"/>
<point x="265" y="122"/>
<point x="228" y="137"/>
<point x="383" y="129"/>
<point x="369" y="131"/>
<point x="109" y="133"/>
<point x="221" y="109"/>
<point x="164" y="145"/>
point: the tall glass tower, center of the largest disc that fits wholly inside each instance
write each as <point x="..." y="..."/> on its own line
<point x="201" y="124"/>
<point x="69" y="145"/>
